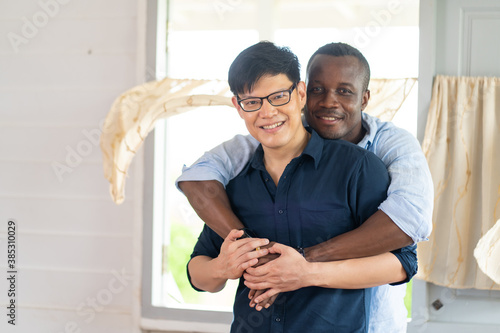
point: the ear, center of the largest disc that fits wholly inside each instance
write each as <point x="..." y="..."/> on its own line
<point x="365" y="99"/>
<point x="302" y="92"/>
<point x="234" y="99"/>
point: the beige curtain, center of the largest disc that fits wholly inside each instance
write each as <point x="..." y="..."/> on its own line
<point x="387" y="96"/>
<point x="135" y="112"/>
<point x="462" y="147"/>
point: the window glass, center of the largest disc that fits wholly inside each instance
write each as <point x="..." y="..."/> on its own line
<point x="203" y="39"/>
<point x="201" y="44"/>
<point x="187" y="137"/>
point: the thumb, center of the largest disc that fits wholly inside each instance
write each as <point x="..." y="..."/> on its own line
<point x="278" y="248"/>
<point x="234" y="234"/>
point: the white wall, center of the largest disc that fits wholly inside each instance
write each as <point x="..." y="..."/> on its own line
<point x="78" y="259"/>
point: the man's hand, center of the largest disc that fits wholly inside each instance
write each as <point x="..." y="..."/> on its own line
<point x="283" y="274"/>
<point x="236" y="255"/>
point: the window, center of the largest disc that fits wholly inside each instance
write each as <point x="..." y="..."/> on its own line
<point x="203" y="39"/>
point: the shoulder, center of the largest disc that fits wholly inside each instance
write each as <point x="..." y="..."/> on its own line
<point x="249" y="170"/>
<point x="386" y="130"/>
<point x="390" y="139"/>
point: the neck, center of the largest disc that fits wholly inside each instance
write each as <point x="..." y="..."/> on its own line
<point x="276" y="159"/>
<point x="359" y="137"/>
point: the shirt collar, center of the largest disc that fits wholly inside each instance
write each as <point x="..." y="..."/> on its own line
<point x="257" y="161"/>
<point x="313" y="149"/>
<point x="370" y="125"/>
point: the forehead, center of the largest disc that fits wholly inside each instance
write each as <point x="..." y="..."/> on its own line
<point x="268" y="84"/>
<point x="330" y="69"/>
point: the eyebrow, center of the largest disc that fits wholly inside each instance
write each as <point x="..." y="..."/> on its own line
<point x="277" y="91"/>
<point x="348" y="84"/>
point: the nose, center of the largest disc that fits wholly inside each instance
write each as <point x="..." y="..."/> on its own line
<point x="329" y="100"/>
<point x="267" y="110"/>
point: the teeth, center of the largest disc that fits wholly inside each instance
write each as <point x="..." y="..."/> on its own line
<point x="273" y="125"/>
<point x="329" y="118"/>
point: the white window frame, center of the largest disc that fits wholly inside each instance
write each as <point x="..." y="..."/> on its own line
<point x="155" y="318"/>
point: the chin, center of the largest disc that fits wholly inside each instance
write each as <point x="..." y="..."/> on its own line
<point x="331" y="136"/>
<point x="327" y="132"/>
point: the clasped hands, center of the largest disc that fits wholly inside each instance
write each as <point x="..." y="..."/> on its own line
<point x="268" y="268"/>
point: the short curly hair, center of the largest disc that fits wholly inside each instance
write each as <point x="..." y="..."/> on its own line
<point x="342" y="50"/>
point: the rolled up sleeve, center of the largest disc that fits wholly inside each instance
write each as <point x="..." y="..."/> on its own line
<point x="222" y="163"/>
<point x="410" y="195"/>
<point x="407" y="256"/>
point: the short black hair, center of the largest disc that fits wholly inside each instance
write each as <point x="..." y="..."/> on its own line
<point x="343" y="50"/>
<point x="258" y="60"/>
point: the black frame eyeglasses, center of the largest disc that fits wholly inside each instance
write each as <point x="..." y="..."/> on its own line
<point x="277" y="98"/>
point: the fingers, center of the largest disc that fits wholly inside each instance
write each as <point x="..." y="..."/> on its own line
<point x="255" y="285"/>
<point x="265" y="304"/>
<point x="278" y="248"/>
<point x="252" y="250"/>
<point x="248" y="257"/>
<point x="248" y="263"/>
<point x="253" y="272"/>
<point x="241" y="246"/>
<point x="243" y="253"/>
<point x="265" y="259"/>
<point x="246" y="244"/>
<point x="270" y="301"/>
<point x="236" y="255"/>
<point x="251" y="244"/>
<point x="234" y="234"/>
<point x="256" y="293"/>
<point x="262" y="299"/>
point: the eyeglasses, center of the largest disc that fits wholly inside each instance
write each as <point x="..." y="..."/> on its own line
<point x="278" y="98"/>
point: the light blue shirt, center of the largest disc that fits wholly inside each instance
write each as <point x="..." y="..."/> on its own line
<point x="409" y="200"/>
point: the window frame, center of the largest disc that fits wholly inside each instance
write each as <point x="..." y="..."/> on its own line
<point x="156" y="317"/>
<point x="161" y="318"/>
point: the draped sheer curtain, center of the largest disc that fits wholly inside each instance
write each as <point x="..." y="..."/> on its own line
<point x="462" y="147"/>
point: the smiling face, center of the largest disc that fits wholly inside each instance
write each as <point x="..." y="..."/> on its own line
<point x="336" y="97"/>
<point x="275" y="127"/>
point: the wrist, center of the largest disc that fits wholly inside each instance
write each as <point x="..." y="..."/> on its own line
<point x="323" y="252"/>
<point x="309" y="254"/>
<point x="316" y="275"/>
<point x="218" y="269"/>
<point x="311" y="275"/>
<point x="301" y="251"/>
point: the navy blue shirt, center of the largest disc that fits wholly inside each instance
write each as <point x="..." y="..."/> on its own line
<point x="331" y="188"/>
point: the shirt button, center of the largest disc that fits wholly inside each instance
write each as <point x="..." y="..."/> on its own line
<point x="267" y="179"/>
<point x="278" y="320"/>
<point x="280" y="211"/>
